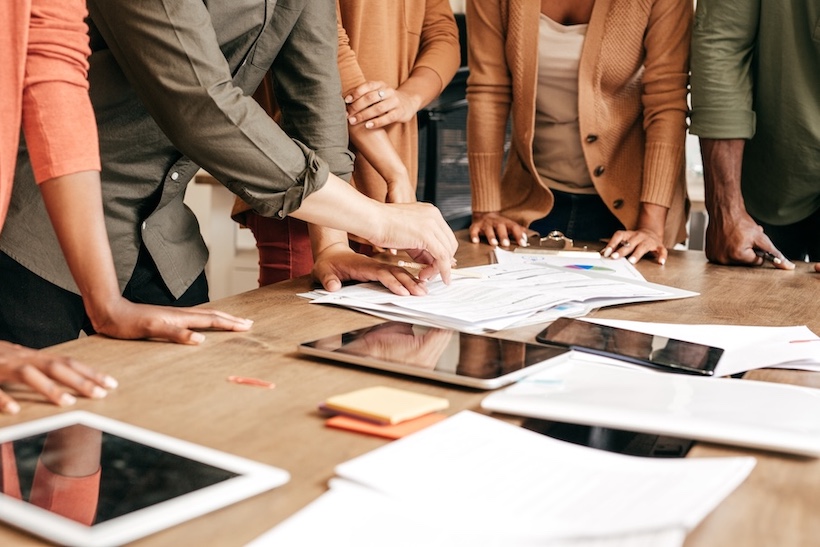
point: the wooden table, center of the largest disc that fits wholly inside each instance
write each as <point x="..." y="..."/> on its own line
<point x="182" y="391"/>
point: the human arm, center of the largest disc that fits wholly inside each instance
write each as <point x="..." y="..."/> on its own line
<point x="489" y="94"/>
<point x="62" y="140"/>
<point x="418" y="228"/>
<point x="435" y="63"/>
<point x="723" y="117"/>
<point x="663" y="98"/>
<point x="732" y="235"/>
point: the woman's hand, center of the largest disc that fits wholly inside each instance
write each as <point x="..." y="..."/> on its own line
<point x="375" y="104"/>
<point x="646" y="239"/>
<point x="46" y="373"/>
<point x="634" y="244"/>
<point x="498" y="229"/>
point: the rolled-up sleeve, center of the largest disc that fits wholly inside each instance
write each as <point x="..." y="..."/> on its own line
<point x="722" y="45"/>
<point x="169" y="51"/>
<point x="58" y="121"/>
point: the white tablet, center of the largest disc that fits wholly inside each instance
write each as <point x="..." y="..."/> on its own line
<point x="445" y="355"/>
<point x="82" y="479"/>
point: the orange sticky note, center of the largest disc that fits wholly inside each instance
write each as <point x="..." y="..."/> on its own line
<point x="395" y="431"/>
<point x="384" y="404"/>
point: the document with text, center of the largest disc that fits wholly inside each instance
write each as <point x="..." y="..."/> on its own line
<point x="473" y="480"/>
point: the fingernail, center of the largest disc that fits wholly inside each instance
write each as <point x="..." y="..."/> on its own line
<point x="110" y="382"/>
<point x="505" y="243"/>
<point x="475" y="240"/>
<point x="776" y="260"/>
<point x="523" y="242"/>
<point x="349" y="99"/>
<point x="67" y="399"/>
<point x="368" y="125"/>
<point x="633" y="260"/>
<point x="607" y="251"/>
<point x="494" y="242"/>
<point x="12" y="407"/>
<point x="352" y="119"/>
<point x="248" y="321"/>
<point x="98" y="392"/>
<point x="662" y="261"/>
<point x="197" y="337"/>
<point x="616" y="255"/>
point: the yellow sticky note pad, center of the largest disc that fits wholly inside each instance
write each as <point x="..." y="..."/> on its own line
<point x="385" y="404"/>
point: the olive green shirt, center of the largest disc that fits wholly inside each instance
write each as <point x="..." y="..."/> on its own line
<point x="171" y="85"/>
<point x="756" y="76"/>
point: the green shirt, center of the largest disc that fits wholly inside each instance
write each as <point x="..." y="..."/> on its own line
<point x="171" y="85"/>
<point x="756" y="76"/>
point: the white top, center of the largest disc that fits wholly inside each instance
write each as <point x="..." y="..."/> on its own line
<point x="557" y="150"/>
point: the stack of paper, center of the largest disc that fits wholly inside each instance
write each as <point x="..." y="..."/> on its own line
<point x="505" y="295"/>
<point x="475" y="481"/>
<point x="593" y="390"/>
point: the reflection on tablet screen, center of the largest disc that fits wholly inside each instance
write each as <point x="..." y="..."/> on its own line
<point x="442" y="351"/>
<point x="91" y="476"/>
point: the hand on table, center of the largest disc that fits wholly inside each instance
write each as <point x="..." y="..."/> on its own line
<point x="339" y="263"/>
<point x="635" y="244"/>
<point x="127" y="320"/>
<point x="45" y="373"/>
<point x="498" y="229"/>
<point x="738" y="239"/>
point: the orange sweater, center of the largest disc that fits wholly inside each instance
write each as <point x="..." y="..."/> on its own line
<point x="386" y="41"/>
<point x="632" y="107"/>
<point x="44" y="54"/>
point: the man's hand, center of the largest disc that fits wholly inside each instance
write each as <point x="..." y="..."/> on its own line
<point x="338" y="263"/>
<point x="732" y="236"/>
<point x="124" y="319"/>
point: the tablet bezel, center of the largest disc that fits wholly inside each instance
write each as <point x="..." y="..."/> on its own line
<point x="253" y="478"/>
<point x="431" y="374"/>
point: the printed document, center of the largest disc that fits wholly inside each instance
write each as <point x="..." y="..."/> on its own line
<point x="472" y="480"/>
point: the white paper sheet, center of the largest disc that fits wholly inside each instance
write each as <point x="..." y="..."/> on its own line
<point x="745" y="347"/>
<point x="504" y="296"/>
<point x="472" y="480"/>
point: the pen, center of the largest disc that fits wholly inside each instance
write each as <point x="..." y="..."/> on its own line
<point x="765" y="255"/>
<point x="414" y="265"/>
<point x="251" y="382"/>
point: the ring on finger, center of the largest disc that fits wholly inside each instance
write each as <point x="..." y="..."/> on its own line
<point x="381" y="94"/>
<point x="624" y="244"/>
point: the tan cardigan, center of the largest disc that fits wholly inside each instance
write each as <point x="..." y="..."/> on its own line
<point x="632" y="106"/>
<point x="387" y="40"/>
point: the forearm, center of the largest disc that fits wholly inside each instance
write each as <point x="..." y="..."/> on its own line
<point x="322" y="238"/>
<point x="722" y="160"/>
<point x="423" y="85"/>
<point x="375" y="146"/>
<point x="339" y="206"/>
<point x="652" y="217"/>
<point x="74" y="204"/>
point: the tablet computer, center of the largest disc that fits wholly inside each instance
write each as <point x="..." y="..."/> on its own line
<point x="659" y="352"/>
<point x="445" y="355"/>
<point x="82" y="479"/>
